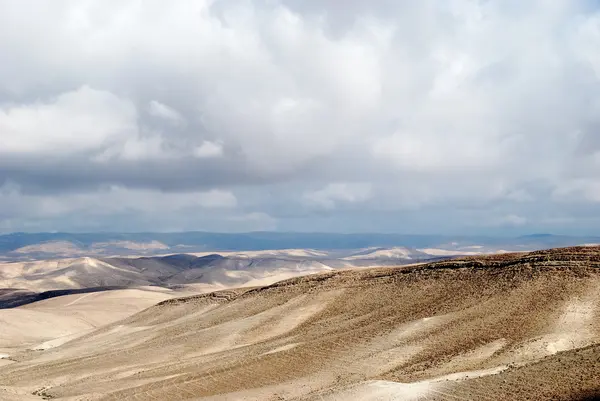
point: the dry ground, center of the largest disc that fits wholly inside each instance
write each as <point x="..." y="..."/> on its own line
<point x="46" y="324"/>
<point x="504" y="327"/>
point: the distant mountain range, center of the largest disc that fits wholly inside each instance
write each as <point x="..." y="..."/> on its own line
<point x="18" y="246"/>
<point x="26" y="281"/>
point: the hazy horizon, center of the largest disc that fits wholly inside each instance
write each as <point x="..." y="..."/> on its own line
<point x="427" y="234"/>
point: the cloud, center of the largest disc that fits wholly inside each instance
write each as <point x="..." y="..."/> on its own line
<point x="254" y="221"/>
<point x="512" y="220"/>
<point x="105" y="206"/>
<point x="208" y="149"/>
<point x="337" y="193"/>
<point x="165" y="112"/>
<point x="315" y="112"/>
<point x="113" y="199"/>
<point x="579" y="190"/>
<point x="77" y="121"/>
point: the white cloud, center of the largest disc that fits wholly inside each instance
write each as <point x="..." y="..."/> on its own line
<point x="80" y="120"/>
<point x="578" y="191"/>
<point x="112" y="200"/>
<point x="587" y="40"/>
<point x="208" y="149"/>
<point x="336" y="193"/>
<point x="163" y="111"/>
<point x="513" y="220"/>
<point x="135" y="149"/>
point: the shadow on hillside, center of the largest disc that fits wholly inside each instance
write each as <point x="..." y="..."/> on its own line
<point x="593" y="395"/>
<point x="11" y="297"/>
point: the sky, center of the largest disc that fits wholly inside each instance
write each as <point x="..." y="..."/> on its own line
<point x="439" y="117"/>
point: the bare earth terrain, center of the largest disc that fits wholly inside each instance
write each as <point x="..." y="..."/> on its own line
<point x="502" y="327"/>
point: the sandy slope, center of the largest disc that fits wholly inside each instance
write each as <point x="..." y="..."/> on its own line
<point x="507" y="327"/>
<point x="284" y="253"/>
<point x="386" y="253"/>
<point x="69" y="273"/>
<point x="47" y="324"/>
<point x="448" y="252"/>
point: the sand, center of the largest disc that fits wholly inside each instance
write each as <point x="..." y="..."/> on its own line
<point x="503" y="327"/>
<point x="53" y="322"/>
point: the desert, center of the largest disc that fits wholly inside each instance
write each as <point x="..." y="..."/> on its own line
<point x="500" y="327"/>
<point x="300" y="200"/>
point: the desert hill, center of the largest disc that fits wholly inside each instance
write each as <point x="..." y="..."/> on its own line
<point x="51" y="322"/>
<point x="502" y="327"/>
<point x="216" y="270"/>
